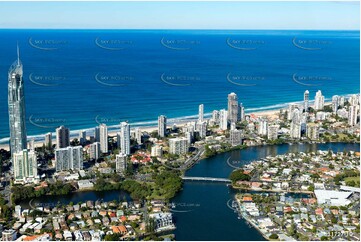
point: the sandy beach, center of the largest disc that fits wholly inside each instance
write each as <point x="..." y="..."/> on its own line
<point x="271" y="114"/>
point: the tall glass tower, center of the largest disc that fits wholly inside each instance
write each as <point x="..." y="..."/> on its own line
<point x="16" y="102"/>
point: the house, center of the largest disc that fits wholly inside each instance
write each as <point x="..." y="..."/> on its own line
<point x="119" y="229"/>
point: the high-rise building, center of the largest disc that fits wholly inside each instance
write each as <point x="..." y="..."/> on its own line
<point x="232" y="108"/>
<point x="235" y="137"/>
<point x="16" y="106"/>
<point x="48" y="140"/>
<point x="25" y="166"/>
<point x="82" y="137"/>
<point x="291" y="108"/>
<point x="162" y="125"/>
<point x="125" y="138"/>
<point x="306" y="100"/>
<point x="273" y="132"/>
<point x="295" y="130"/>
<point x="156" y="151"/>
<point x="319" y="100"/>
<point x="97" y="134"/>
<point x="354" y="99"/>
<point x="201" y="113"/>
<point x="312" y="131"/>
<point x="215" y="117"/>
<point x="138" y="136"/>
<point x="223" y="117"/>
<point x="178" y="146"/>
<point x="262" y="127"/>
<point x="121" y="163"/>
<point x="353" y="115"/>
<point x="202" y="129"/>
<point x="31" y="144"/>
<point x="103" y="138"/>
<point x="335" y="103"/>
<point x="94" y="150"/>
<point x="69" y="158"/>
<point x="62" y="137"/>
<point x="241" y="113"/>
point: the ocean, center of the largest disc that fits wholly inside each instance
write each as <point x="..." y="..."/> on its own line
<point x="79" y="78"/>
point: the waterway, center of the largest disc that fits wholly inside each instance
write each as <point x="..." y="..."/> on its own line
<point x="200" y="209"/>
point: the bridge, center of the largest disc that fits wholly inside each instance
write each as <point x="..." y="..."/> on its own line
<point x="212" y="179"/>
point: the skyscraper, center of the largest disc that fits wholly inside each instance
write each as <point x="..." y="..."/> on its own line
<point x="306" y="98"/>
<point x="121" y="163"/>
<point x="62" y="137"/>
<point x="201" y="113"/>
<point x="16" y="106"/>
<point x="335" y="103"/>
<point x="103" y="138"/>
<point x="319" y="100"/>
<point x="241" y="114"/>
<point x="82" y="137"/>
<point x="162" y="125"/>
<point x="94" y="151"/>
<point x="25" y="166"/>
<point x="48" y="140"/>
<point x="295" y="130"/>
<point x="138" y="135"/>
<point x="352" y="115"/>
<point x="223" y="119"/>
<point x="232" y="108"/>
<point x="125" y="138"/>
<point x="69" y="158"/>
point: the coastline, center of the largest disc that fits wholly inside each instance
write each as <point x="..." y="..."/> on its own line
<point x="39" y="143"/>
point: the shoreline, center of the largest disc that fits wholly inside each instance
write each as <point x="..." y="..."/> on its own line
<point x="39" y="143"/>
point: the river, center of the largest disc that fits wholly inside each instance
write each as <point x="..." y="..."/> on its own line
<point x="201" y="211"/>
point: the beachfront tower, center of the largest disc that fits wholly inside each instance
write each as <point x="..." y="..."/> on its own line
<point x="162" y="125"/>
<point x="62" y="137"/>
<point x="306" y="98"/>
<point x="201" y="113"/>
<point x="319" y="100"/>
<point x="16" y="103"/>
<point x="125" y="138"/>
<point x="232" y="108"/>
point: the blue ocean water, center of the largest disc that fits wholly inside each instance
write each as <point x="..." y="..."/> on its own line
<point x="78" y="78"/>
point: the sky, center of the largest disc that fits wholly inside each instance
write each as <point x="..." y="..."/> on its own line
<point x="181" y="15"/>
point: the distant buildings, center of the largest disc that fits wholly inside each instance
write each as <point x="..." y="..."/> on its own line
<point x="306" y="98"/>
<point x="25" y="166"/>
<point x="97" y="134"/>
<point x="82" y="137"/>
<point x="138" y="136"/>
<point x="232" y="108"/>
<point x="262" y="127"/>
<point x="16" y="107"/>
<point x="69" y="158"/>
<point x="125" y="138"/>
<point x="272" y="133"/>
<point x="202" y="128"/>
<point x="235" y="137"/>
<point x="62" y="137"/>
<point x="201" y="113"/>
<point x="121" y="163"/>
<point x="94" y="150"/>
<point x="319" y="100"/>
<point x="178" y="146"/>
<point x="353" y="115"/>
<point x="162" y="125"/>
<point x="223" y="117"/>
<point x="312" y="131"/>
<point x="156" y="151"/>
<point x="48" y="140"/>
<point x="103" y="138"/>
<point x="295" y="129"/>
